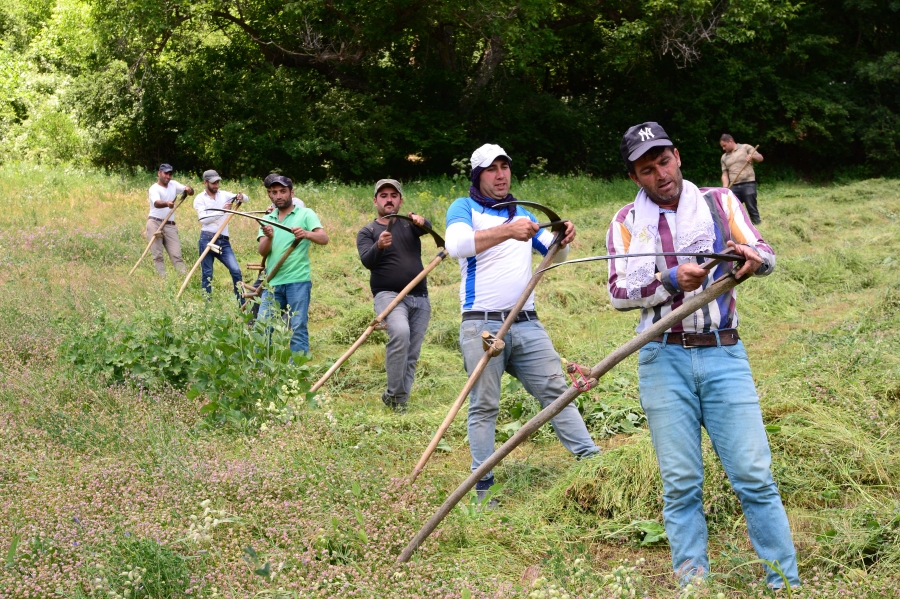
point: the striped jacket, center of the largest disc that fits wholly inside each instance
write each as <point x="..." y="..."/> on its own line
<point x="660" y="297"/>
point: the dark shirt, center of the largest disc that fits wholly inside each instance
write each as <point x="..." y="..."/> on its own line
<point x="394" y="267"/>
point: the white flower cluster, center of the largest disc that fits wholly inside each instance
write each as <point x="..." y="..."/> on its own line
<point x="545" y="590"/>
<point x="133" y="577"/>
<point x="202" y="525"/>
<point x="623" y="580"/>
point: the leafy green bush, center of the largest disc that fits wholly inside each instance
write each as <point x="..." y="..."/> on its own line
<point x="245" y="370"/>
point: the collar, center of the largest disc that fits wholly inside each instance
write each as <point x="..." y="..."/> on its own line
<point x="274" y="214"/>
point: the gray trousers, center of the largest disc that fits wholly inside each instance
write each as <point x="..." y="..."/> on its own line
<point x="170" y="242"/>
<point x="406" y="326"/>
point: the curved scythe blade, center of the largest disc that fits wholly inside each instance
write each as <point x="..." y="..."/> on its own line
<point x="559" y="224"/>
<point x="264" y="221"/>
<point x="724" y="257"/>
<point x="438" y="240"/>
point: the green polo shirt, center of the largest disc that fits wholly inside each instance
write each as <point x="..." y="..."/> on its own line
<point x="296" y="268"/>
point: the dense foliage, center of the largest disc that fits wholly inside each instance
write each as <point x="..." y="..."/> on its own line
<point x="350" y="90"/>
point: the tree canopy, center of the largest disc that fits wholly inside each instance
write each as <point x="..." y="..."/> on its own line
<point x="360" y="89"/>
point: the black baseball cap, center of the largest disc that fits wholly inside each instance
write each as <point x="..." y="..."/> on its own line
<point x="276" y="179"/>
<point x="640" y="138"/>
<point x="165" y="167"/>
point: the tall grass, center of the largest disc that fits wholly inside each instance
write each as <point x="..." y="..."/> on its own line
<point x="100" y="479"/>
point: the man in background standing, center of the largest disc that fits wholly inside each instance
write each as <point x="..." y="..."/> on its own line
<point x="738" y="174"/>
<point x="162" y="199"/>
<point x="209" y="224"/>
<point x="394" y="259"/>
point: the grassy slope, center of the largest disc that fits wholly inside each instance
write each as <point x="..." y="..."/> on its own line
<point x="98" y="480"/>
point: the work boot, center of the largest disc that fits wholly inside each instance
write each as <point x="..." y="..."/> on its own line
<point x="481" y="492"/>
<point x="392" y="402"/>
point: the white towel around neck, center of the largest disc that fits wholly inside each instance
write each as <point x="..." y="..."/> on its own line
<point x="694" y="232"/>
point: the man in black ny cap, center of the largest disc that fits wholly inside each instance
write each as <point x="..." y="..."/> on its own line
<point x="162" y="199"/>
<point x="697" y="374"/>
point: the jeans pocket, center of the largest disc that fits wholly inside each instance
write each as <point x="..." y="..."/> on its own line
<point x="649" y="353"/>
<point x="736" y="351"/>
<point x="469" y="329"/>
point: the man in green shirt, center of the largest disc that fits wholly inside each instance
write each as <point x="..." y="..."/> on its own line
<point x="292" y="284"/>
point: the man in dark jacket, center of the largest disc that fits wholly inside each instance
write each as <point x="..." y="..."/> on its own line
<point x="394" y="259"/>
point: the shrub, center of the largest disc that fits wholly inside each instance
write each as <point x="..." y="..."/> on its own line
<point x="246" y="371"/>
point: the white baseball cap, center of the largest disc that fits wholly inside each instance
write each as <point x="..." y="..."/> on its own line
<point x="485" y="155"/>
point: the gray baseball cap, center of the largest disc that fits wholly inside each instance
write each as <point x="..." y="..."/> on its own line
<point x="276" y="179"/>
<point x="211" y="176"/>
<point x="392" y="182"/>
<point x="165" y="167"/>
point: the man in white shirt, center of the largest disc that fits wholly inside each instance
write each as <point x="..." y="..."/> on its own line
<point x="212" y="197"/>
<point x="494" y="248"/>
<point x="162" y="199"/>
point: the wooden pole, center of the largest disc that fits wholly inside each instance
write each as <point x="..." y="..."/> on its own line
<point x="159" y="231"/>
<point x="691" y="305"/>
<point x="380" y="318"/>
<point x="740" y="172"/>
<point x="271" y="274"/>
<point x="482" y="364"/>
<point x="218" y="232"/>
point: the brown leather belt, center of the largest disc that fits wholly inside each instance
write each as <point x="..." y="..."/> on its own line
<point x="159" y="220"/>
<point x="727" y="337"/>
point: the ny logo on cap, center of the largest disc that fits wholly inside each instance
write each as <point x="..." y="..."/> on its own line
<point x="645" y="134"/>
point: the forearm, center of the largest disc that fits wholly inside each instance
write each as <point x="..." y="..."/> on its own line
<point x="160" y="204"/>
<point x="265" y="246"/>
<point x="724" y="179"/>
<point x="368" y="252"/>
<point x="318" y="236"/>
<point x="488" y="238"/>
<point x="757" y="157"/>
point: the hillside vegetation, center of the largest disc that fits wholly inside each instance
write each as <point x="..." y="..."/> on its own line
<point x="119" y="478"/>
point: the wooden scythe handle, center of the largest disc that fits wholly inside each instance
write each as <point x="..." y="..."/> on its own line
<point x="206" y="250"/>
<point x="482" y="364"/>
<point x="380" y="318"/>
<point x="722" y="285"/>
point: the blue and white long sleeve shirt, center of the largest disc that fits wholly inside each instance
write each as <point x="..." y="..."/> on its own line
<point x="494" y="279"/>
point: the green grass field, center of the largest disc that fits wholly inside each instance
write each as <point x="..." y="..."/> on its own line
<point x="114" y="484"/>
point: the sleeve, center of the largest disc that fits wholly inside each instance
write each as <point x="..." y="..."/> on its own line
<point x="179" y="188"/>
<point x="202" y="204"/>
<point x="420" y="231"/>
<point x="365" y="245"/>
<point x="460" y="235"/>
<point x="618" y="238"/>
<point x="311" y="221"/>
<point x="722" y="161"/>
<point x="297" y="202"/>
<point x="743" y="232"/>
<point x="153" y="195"/>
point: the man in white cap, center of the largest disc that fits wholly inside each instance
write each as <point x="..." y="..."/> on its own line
<point x="494" y="250"/>
<point x="394" y="259"/>
<point x="212" y="197"/>
<point x="162" y="199"/>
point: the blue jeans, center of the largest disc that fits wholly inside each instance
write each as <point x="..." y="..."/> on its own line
<point x="293" y="297"/>
<point x="406" y="326"/>
<point x="226" y="257"/>
<point x="682" y="390"/>
<point x="529" y="356"/>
